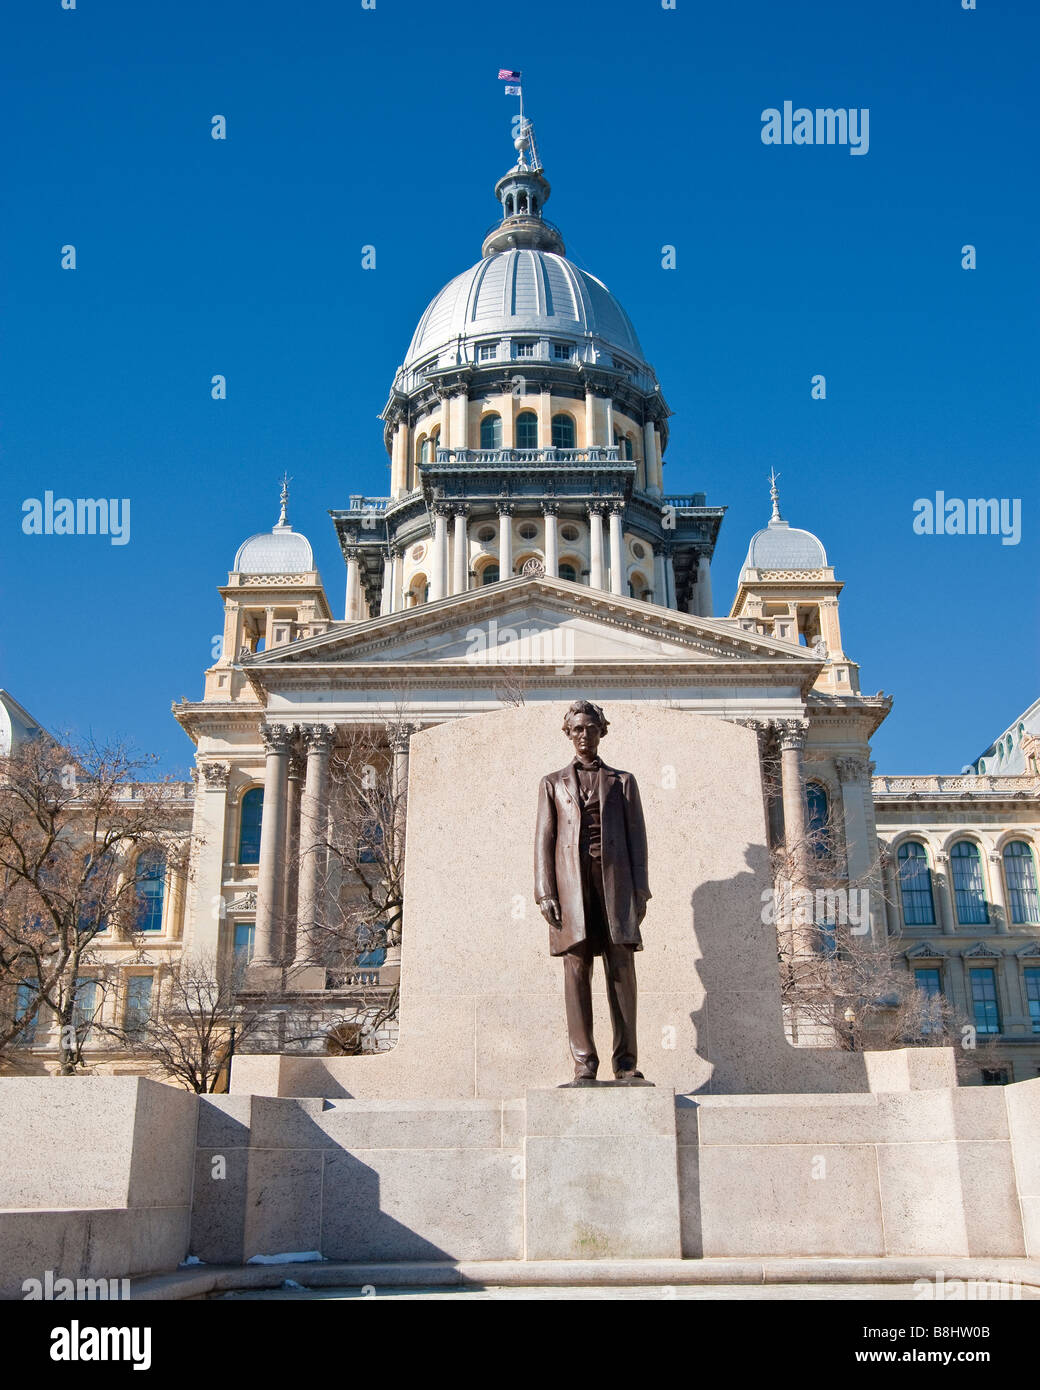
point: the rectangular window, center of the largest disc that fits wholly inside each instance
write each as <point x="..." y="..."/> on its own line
<point x="1032" y="982"/>
<point x="243" y="942"/>
<point x="487" y="352"/>
<point x="525" y="349"/>
<point x="22" y="1004"/>
<point x="929" y="982"/>
<point x="995" y="1076"/>
<point x="984" y="1001"/>
<point x="562" y="352"/>
<point x="86" y="1004"/>
<point x="138" y="1003"/>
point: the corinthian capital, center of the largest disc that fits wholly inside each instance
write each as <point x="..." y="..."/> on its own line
<point x="319" y="737"/>
<point x="277" y="738"/>
<point x="215" y="774"/>
<point x="852" y="769"/>
<point x="791" y="733"/>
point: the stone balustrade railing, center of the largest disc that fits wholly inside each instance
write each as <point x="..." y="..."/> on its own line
<point x="956" y="784"/>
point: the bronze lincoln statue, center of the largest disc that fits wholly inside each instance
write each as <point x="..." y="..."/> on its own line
<point x="591" y="885"/>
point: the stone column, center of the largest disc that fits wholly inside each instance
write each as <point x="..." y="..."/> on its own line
<point x="861" y="854"/>
<point x="396" y="597"/>
<point x="550" y="512"/>
<point x="652" y="461"/>
<point x="399" y="460"/>
<point x="314" y="815"/>
<point x="447" y="439"/>
<point x="608" y="412"/>
<point x="705" y="606"/>
<point x="660" y="583"/>
<point x="617" y="564"/>
<point x="590" y="417"/>
<point x="545" y="418"/>
<point x="669" y="577"/>
<point x="942" y="889"/>
<point x="209" y="834"/>
<point x="461" y="557"/>
<point x="385" y="598"/>
<point x="505" y="540"/>
<point x="294" y="795"/>
<point x="791" y="734"/>
<point x="268" y="629"/>
<point x="271" y="877"/>
<point x="998" y="902"/>
<point x="439" y="552"/>
<point x="596" y="546"/>
<point x="352" y="607"/>
<point x="460" y="420"/>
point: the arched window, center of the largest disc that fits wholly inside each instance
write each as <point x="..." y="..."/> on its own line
<point x="150" y="878"/>
<point x="563" y="432"/>
<point x="568" y="572"/>
<point x="491" y="432"/>
<point x="624" y="446"/>
<point x="249" y="817"/>
<point x="968" y="889"/>
<point x="426" y="450"/>
<point x="489" y="574"/>
<point x="527" y="430"/>
<point x="915" y="885"/>
<point x="816" y="823"/>
<point x="1020" y="874"/>
<point x="419" y="590"/>
<point x="509" y="204"/>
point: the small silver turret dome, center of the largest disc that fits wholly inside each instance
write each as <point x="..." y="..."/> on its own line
<point x="278" y="551"/>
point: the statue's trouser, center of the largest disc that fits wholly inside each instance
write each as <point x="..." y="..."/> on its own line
<point x="620" y="965"/>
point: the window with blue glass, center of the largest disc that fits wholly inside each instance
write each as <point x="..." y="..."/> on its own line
<point x="1020" y="873"/>
<point x="527" y="430"/>
<point x="244" y="936"/>
<point x="568" y="572"/>
<point x="491" y="432"/>
<point x="138" y="1009"/>
<point x="250" y="817"/>
<point x="24" y="1000"/>
<point x="86" y="1003"/>
<point x="563" y="432"/>
<point x="915" y="885"/>
<point x="984" y="1007"/>
<point x="928" y="980"/>
<point x="151" y="890"/>
<point x="968" y="889"/>
<point x="816" y="823"/>
<point x="1031" y="980"/>
<point x="370" y="842"/>
<point x="489" y="574"/>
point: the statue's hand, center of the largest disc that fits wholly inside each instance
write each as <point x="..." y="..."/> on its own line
<point x="640" y="907"/>
<point x="551" y="911"/>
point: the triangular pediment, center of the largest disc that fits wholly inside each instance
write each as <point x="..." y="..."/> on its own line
<point x="535" y="621"/>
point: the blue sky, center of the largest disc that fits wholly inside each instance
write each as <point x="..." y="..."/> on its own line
<point x="387" y="127"/>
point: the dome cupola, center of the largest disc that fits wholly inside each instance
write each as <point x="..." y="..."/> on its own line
<point x="278" y="551"/>
<point x="523" y="193"/>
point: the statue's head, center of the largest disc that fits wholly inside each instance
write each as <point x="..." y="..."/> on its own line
<point x="585" y="724"/>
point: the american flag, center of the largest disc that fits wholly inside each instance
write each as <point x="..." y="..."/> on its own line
<point x="508" y="75"/>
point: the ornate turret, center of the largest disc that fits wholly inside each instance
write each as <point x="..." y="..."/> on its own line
<point x="523" y="193"/>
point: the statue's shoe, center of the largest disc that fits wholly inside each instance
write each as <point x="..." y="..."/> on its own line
<point x="629" y="1076"/>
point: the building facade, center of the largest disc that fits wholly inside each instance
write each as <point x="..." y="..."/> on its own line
<point x="529" y="548"/>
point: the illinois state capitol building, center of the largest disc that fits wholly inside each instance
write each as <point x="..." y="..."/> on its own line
<point x="529" y="549"/>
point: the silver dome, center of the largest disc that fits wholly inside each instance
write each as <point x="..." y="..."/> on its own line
<point x="281" y="551"/>
<point x="524" y="292"/>
<point x="780" y="546"/>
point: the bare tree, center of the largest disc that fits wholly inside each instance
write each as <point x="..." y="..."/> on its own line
<point x="838" y="985"/>
<point x="199" y="1020"/>
<point x="73" y="823"/>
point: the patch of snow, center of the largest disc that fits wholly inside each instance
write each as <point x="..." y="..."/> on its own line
<point x="293" y="1257"/>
